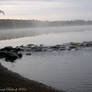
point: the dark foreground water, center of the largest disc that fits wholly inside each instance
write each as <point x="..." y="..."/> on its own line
<point x="68" y="70"/>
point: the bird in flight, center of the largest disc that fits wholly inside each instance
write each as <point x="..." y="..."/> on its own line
<point x="2" y="12"/>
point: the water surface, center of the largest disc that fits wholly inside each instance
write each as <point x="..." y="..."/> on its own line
<point x="68" y="70"/>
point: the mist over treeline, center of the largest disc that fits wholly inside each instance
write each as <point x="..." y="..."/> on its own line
<point x="8" y="23"/>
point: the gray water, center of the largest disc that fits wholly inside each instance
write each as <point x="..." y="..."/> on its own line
<point x="70" y="71"/>
<point x="67" y="70"/>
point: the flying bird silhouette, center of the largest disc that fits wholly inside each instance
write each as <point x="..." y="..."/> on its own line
<point x="2" y="12"/>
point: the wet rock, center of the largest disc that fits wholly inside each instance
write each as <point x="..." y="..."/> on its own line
<point x="28" y="54"/>
<point x="10" y="53"/>
<point x="9" y="48"/>
<point x="57" y="47"/>
<point x="72" y="47"/>
<point x="87" y="44"/>
<point x="3" y="54"/>
<point x="30" y="45"/>
<point x="37" y="49"/>
<point x="62" y="47"/>
<point x="20" y="55"/>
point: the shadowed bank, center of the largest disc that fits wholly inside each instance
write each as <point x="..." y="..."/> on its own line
<point x="13" y="82"/>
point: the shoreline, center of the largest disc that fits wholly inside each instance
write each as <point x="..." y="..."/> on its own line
<point x="13" y="82"/>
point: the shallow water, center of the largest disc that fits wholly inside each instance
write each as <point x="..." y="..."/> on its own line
<point x="68" y="70"/>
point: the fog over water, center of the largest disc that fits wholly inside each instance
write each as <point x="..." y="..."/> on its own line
<point x="46" y="35"/>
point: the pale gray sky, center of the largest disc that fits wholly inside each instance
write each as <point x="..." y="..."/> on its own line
<point x="47" y="9"/>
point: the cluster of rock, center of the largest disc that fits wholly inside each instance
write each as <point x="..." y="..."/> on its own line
<point x="11" y="54"/>
<point x="66" y="46"/>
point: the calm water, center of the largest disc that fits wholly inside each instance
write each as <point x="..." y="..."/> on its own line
<point x="71" y="71"/>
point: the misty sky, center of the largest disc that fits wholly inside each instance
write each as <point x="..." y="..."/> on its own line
<point x="47" y="9"/>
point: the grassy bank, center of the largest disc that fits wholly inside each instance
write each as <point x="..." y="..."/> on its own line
<point x="12" y="82"/>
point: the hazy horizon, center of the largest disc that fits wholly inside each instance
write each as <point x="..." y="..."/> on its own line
<point x="47" y="9"/>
